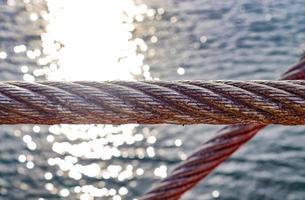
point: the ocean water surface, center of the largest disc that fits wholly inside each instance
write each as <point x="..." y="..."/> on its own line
<point x="146" y="40"/>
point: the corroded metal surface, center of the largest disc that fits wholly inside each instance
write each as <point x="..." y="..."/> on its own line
<point x="212" y="153"/>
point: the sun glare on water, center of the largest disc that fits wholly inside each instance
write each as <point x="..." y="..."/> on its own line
<point x="92" y="40"/>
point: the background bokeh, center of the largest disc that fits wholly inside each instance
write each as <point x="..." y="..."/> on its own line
<point x="145" y="40"/>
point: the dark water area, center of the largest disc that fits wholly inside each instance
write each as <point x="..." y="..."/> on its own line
<point x="167" y="40"/>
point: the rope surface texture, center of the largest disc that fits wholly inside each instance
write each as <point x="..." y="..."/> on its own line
<point x="211" y="153"/>
<point x="180" y="102"/>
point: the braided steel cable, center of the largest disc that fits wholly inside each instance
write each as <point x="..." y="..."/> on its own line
<point x="211" y="153"/>
<point x="203" y="161"/>
<point x="179" y="102"/>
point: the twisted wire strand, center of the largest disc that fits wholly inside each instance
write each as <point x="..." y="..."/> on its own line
<point x="179" y="102"/>
<point x="216" y="150"/>
<point x="202" y="162"/>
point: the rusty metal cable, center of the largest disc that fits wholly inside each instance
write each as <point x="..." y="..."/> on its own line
<point x="202" y="162"/>
<point x="211" y="153"/>
<point x="179" y="102"/>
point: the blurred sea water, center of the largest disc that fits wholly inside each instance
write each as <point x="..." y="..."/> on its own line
<point x="145" y="40"/>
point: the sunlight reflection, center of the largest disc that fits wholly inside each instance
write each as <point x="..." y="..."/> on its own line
<point x="91" y="40"/>
<point x="161" y="171"/>
<point x="3" y="55"/>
